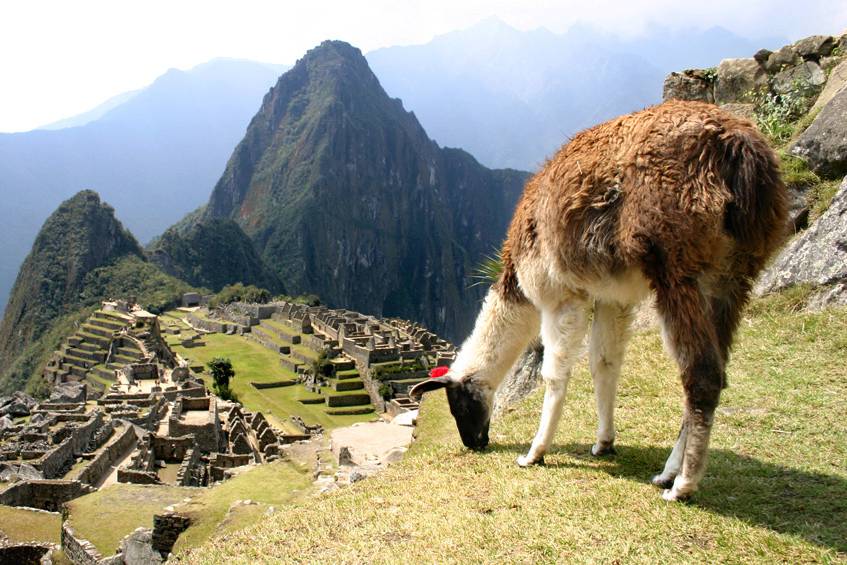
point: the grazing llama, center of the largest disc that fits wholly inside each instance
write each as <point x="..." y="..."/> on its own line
<point x="681" y="200"/>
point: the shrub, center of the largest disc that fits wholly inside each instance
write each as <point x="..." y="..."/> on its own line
<point x="222" y="373"/>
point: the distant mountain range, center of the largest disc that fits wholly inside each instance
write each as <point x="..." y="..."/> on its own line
<point x="511" y="98"/>
<point x="154" y="156"/>
<point x="508" y="97"/>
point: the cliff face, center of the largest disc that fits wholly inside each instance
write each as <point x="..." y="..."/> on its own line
<point x="81" y="256"/>
<point x="345" y="196"/>
<point x="81" y="235"/>
<point x="212" y="254"/>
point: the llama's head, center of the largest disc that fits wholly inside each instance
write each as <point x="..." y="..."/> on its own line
<point x="470" y="404"/>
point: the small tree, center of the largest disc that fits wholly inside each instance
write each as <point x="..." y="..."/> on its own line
<point x="222" y="373"/>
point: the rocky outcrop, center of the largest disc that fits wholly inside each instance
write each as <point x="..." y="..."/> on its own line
<point x="817" y="257"/>
<point x="824" y="143"/>
<point x="738" y="80"/>
<point x="17" y="405"/>
<point x="692" y="84"/>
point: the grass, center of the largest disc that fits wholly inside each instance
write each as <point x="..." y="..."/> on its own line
<point x="820" y="192"/>
<point x="775" y="490"/>
<point x="275" y="484"/>
<point x="106" y="516"/>
<point x="254" y="362"/>
<point x="21" y="525"/>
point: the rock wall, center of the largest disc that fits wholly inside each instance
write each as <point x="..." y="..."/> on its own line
<point x="817" y="257"/>
<point x="43" y="494"/>
<point x="110" y="456"/>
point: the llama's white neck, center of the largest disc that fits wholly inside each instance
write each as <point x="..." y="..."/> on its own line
<point x="501" y="333"/>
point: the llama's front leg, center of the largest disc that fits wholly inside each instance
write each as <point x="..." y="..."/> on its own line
<point x="609" y="334"/>
<point x="562" y="331"/>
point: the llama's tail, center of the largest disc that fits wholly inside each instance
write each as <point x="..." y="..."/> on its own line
<point x="756" y="217"/>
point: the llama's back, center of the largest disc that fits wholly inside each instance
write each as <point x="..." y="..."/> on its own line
<point x="682" y="183"/>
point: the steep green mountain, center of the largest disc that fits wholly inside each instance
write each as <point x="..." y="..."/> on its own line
<point x="152" y="154"/>
<point x="344" y="195"/>
<point x="212" y="254"/>
<point x="81" y="256"/>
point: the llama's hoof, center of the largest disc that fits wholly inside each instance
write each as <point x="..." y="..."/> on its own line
<point x="526" y="461"/>
<point x="673" y="495"/>
<point x="662" y="481"/>
<point x="602" y="448"/>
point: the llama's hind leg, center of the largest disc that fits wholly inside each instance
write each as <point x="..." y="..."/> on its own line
<point x="609" y="335"/>
<point x="692" y="338"/>
<point x="562" y="331"/>
<point x="674" y="463"/>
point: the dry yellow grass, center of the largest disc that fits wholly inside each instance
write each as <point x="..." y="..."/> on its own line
<point x="775" y="491"/>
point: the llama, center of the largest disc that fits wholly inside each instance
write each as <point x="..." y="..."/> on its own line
<point x="682" y="201"/>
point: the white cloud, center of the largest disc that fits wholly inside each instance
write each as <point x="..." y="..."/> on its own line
<point x="59" y="58"/>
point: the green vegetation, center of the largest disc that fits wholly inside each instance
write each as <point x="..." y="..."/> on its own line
<point x="774" y="491"/>
<point x="274" y="484"/>
<point x="239" y="293"/>
<point x="106" y="516"/>
<point x="256" y="363"/>
<point x="819" y="191"/>
<point x="22" y="525"/>
<point x="212" y="253"/>
<point x="780" y="115"/>
<point x="222" y="373"/>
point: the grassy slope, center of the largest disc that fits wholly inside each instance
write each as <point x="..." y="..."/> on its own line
<point x="254" y="362"/>
<point x="106" y="516"/>
<point x="22" y="525"/>
<point x="775" y="491"/>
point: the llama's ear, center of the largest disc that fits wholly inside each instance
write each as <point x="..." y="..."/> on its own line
<point x="430" y="384"/>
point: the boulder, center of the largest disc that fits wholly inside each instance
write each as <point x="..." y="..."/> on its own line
<point x="806" y="77"/>
<point x="814" y="47"/>
<point x="738" y="79"/>
<point x="782" y="58"/>
<point x="817" y="256"/>
<point x="6" y="422"/>
<point x="68" y="392"/>
<point x="836" y="81"/>
<point x="762" y="55"/>
<point x="824" y="143"/>
<point x="741" y="109"/>
<point x="16" y="409"/>
<point x="693" y="84"/>
<point x="137" y="548"/>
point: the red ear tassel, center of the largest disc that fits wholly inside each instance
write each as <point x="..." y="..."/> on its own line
<point x="438" y="372"/>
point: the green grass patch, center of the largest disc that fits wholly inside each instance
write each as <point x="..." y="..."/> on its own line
<point x="774" y="492"/>
<point x="106" y="516"/>
<point x="254" y="362"/>
<point x="22" y="525"/>
<point x="274" y="484"/>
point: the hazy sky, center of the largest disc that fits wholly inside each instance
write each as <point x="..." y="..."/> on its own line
<point x="60" y="58"/>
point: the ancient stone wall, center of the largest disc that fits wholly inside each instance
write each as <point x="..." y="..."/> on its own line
<point x="43" y="494"/>
<point x="111" y="455"/>
<point x="166" y="529"/>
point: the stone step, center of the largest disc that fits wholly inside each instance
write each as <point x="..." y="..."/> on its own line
<point x="347" y="374"/>
<point x="129" y="352"/>
<point x="100" y="340"/>
<point x="124" y="359"/>
<point x="350" y="384"/>
<point x="93" y="356"/>
<point x="85" y="346"/>
<point x="97" y="330"/>
<point x="351" y="411"/>
<point x="77" y="361"/>
<point x="106" y="322"/>
<point x="343" y="364"/>
<point x="280" y="330"/>
<point x="105" y="373"/>
<point x="77" y="371"/>
<point x="351" y="399"/>
<point x="289" y="363"/>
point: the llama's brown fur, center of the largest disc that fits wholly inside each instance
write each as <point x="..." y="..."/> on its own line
<point x="682" y="199"/>
<point x="678" y="191"/>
